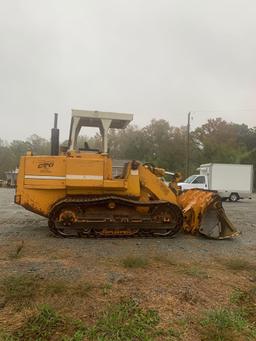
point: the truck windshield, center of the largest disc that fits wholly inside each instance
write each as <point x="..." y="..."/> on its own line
<point x="190" y="179"/>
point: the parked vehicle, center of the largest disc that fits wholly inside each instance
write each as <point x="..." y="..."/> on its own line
<point x="232" y="181"/>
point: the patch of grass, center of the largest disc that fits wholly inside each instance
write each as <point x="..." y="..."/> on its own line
<point x="237" y="322"/>
<point x="41" y="326"/>
<point x="239" y="264"/>
<point x="45" y="325"/>
<point x="225" y="325"/>
<point x="166" y="260"/>
<point x="222" y="325"/>
<point x="106" y="288"/>
<point x="134" y="262"/>
<point x="173" y="334"/>
<point x="246" y="301"/>
<point x="82" y="289"/>
<point x="19" y="290"/>
<point x="78" y="336"/>
<point x="56" y="287"/>
<point x="194" y="271"/>
<point x="7" y="337"/>
<point x="182" y="322"/>
<point x="239" y="296"/>
<point x="124" y="322"/>
<point x="60" y="287"/>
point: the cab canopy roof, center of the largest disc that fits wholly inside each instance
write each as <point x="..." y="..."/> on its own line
<point x="102" y="120"/>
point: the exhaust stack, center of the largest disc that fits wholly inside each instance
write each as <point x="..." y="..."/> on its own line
<point x="55" y="144"/>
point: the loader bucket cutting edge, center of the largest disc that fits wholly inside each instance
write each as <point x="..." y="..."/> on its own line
<point x="216" y="225"/>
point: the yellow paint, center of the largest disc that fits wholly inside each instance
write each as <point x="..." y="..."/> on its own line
<point x="44" y="180"/>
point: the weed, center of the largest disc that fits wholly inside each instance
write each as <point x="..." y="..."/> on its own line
<point x="173" y="333"/>
<point x="246" y="301"/>
<point x="19" y="290"/>
<point x="45" y="325"/>
<point x="134" y="262"/>
<point x="225" y="325"/>
<point x="238" y="296"/>
<point x="41" y="325"/>
<point x="124" y="322"/>
<point x="105" y="288"/>
<point x="239" y="264"/>
<point x="78" y="336"/>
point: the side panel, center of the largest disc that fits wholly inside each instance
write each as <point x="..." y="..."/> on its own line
<point x="45" y="172"/>
<point x="82" y="172"/>
<point x="40" y="182"/>
<point x="232" y="178"/>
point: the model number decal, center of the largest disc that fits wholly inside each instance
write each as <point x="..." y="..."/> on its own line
<point x="45" y="165"/>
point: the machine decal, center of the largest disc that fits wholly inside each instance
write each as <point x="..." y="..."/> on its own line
<point x="46" y="164"/>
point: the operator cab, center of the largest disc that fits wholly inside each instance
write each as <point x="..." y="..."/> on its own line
<point x="102" y="120"/>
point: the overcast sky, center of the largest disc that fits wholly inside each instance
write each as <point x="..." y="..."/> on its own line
<point x="153" y="58"/>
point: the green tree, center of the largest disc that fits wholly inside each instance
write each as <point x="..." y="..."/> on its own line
<point x="19" y="148"/>
<point x="7" y="159"/>
<point x="219" y="141"/>
<point x="39" y="145"/>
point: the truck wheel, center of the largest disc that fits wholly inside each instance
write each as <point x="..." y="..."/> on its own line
<point x="233" y="197"/>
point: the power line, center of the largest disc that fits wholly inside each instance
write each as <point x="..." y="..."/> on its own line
<point x="223" y="110"/>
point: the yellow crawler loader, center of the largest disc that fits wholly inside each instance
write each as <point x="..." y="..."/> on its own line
<point x="76" y="191"/>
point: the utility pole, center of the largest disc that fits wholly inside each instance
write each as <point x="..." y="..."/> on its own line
<point x="188" y="147"/>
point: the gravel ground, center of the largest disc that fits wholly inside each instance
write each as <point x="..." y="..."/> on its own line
<point x="183" y="277"/>
<point x="45" y="253"/>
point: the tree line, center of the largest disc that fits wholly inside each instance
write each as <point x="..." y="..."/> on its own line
<point x="159" y="143"/>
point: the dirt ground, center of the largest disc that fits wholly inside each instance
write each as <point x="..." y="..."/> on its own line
<point x="181" y="278"/>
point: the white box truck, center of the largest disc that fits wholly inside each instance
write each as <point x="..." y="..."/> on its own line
<point x="231" y="181"/>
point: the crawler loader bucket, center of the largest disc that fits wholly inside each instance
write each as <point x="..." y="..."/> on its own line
<point x="203" y="212"/>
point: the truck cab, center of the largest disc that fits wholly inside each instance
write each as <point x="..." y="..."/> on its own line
<point x="194" y="181"/>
